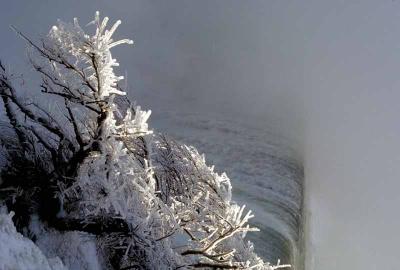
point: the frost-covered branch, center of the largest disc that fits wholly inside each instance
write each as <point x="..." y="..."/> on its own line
<point x="95" y="166"/>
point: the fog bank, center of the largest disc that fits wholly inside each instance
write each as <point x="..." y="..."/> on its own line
<point x="352" y="140"/>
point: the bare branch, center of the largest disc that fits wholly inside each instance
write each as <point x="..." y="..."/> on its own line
<point x="78" y="135"/>
<point x="41" y="120"/>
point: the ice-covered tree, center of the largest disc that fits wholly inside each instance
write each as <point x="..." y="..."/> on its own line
<point x="94" y="166"/>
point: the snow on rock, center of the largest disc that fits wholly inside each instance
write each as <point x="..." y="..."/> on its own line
<point x="77" y="250"/>
<point x="18" y="252"/>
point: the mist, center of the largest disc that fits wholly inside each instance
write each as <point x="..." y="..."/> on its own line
<point x="239" y="59"/>
<point x="352" y="141"/>
<point x="322" y="74"/>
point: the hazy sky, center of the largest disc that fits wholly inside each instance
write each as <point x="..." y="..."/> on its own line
<point x="324" y="73"/>
<point x="234" y="57"/>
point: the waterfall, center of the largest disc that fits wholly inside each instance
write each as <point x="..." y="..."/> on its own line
<point x="265" y="175"/>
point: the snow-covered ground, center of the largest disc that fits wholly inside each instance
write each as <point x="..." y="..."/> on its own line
<point x="18" y="252"/>
<point x="265" y="175"/>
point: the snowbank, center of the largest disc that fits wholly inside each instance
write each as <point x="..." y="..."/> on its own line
<point x="18" y="252"/>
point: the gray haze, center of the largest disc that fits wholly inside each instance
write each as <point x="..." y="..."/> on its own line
<point x="324" y="74"/>
<point x="231" y="57"/>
